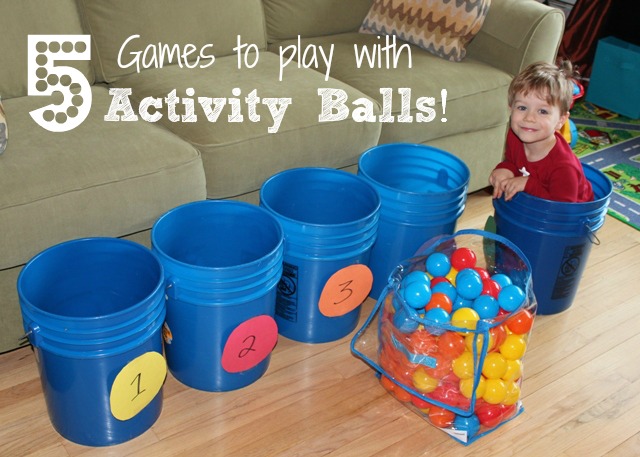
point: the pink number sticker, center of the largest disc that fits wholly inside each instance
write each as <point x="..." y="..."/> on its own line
<point x="249" y="344"/>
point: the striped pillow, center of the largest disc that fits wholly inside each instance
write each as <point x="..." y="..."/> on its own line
<point x="4" y="135"/>
<point x="442" y="27"/>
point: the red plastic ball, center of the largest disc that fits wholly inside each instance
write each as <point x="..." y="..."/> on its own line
<point x="463" y="258"/>
<point x="490" y="287"/>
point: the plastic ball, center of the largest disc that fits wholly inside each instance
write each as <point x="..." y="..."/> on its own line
<point x="438" y="264"/>
<point x="404" y="322"/>
<point x="441" y="368"/>
<point x="478" y="339"/>
<point x="502" y="280"/>
<point x="521" y="322"/>
<point x="417" y="276"/>
<point x="460" y="302"/>
<point x="486" y="306"/>
<point x="466" y="318"/>
<point x="469" y="284"/>
<point x="437" y="316"/>
<point x="422" y="342"/>
<point x="423" y="382"/>
<point x="470" y="424"/>
<point x="446" y="288"/>
<point x="466" y="387"/>
<point x="511" y="298"/>
<point x="495" y="391"/>
<point x="417" y="294"/>
<point x="441" y="417"/>
<point x="421" y="404"/>
<point x="494" y="366"/>
<point x="490" y="415"/>
<point x="514" y="347"/>
<point x="483" y="272"/>
<point x="463" y="258"/>
<point x="514" y="370"/>
<point x="440" y="300"/>
<point x="498" y="335"/>
<point x="513" y="393"/>
<point x="463" y="366"/>
<point x="437" y="280"/>
<point x="451" y="345"/>
<point x="491" y="287"/>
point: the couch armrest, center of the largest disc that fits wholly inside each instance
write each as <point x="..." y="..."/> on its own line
<point x="517" y="33"/>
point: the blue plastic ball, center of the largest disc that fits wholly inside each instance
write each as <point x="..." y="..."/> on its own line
<point x="437" y="316"/>
<point x="404" y="322"/>
<point x="446" y="288"/>
<point x="460" y="302"/>
<point x="417" y="275"/>
<point x="511" y="298"/>
<point x="417" y="294"/>
<point x="469" y="283"/>
<point x="438" y="264"/>
<point x="486" y="306"/>
<point x="502" y="280"/>
<point x="470" y="424"/>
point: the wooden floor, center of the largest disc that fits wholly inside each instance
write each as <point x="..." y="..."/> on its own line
<point x="581" y="389"/>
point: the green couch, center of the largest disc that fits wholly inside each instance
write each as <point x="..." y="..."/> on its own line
<point x="123" y="166"/>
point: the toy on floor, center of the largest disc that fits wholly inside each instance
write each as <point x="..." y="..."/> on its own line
<point x="569" y="130"/>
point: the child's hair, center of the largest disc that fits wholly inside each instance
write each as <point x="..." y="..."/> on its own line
<point x="552" y="82"/>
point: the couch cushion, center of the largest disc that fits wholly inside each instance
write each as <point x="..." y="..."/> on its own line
<point x="286" y="19"/>
<point x="208" y="27"/>
<point x="4" y="129"/>
<point x="18" y="19"/>
<point x="476" y="93"/>
<point x="99" y="179"/>
<point x="239" y="156"/>
<point x="442" y="27"/>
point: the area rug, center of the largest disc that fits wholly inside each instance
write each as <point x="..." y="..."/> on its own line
<point x="611" y="143"/>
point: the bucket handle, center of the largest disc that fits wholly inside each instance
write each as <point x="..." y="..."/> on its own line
<point x="30" y="336"/>
<point x="591" y="233"/>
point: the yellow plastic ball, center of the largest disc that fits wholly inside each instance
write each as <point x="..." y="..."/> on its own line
<point x="479" y="339"/>
<point x="494" y="366"/>
<point x="513" y="347"/>
<point x="466" y="387"/>
<point x="463" y="366"/>
<point x="514" y="370"/>
<point x="513" y="393"/>
<point x="466" y="318"/>
<point x="495" y="391"/>
<point x="423" y="382"/>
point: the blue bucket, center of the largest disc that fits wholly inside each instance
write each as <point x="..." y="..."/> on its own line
<point x="223" y="261"/>
<point x="93" y="310"/>
<point x="330" y="221"/>
<point x="423" y="191"/>
<point x="556" y="237"/>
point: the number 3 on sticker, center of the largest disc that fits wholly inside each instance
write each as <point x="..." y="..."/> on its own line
<point x="345" y="290"/>
<point x="137" y="384"/>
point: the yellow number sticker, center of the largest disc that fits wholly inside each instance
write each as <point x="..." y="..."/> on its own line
<point x="137" y="384"/>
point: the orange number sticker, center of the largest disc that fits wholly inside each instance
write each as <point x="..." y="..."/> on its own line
<point x="345" y="290"/>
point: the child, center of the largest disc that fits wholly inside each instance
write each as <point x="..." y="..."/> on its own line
<point x="538" y="159"/>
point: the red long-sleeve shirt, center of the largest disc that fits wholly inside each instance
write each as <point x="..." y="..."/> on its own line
<point x="559" y="176"/>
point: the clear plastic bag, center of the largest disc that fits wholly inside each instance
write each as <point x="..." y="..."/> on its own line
<point x="459" y="368"/>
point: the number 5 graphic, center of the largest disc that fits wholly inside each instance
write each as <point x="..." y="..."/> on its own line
<point x="45" y="78"/>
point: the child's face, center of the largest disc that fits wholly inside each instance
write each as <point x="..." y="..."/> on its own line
<point x="533" y="119"/>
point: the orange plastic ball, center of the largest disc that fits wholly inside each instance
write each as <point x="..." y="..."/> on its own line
<point x="440" y="300"/>
<point x="441" y="417"/>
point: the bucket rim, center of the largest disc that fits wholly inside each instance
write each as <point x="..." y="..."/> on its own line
<point x="272" y="254"/>
<point x="387" y="188"/>
<point x="158" y="288"/>
<point x="334" y="171"/>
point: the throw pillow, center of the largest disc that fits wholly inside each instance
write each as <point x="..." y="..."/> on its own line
<point x="442" y="27"/>
<point x="4" y="135"/>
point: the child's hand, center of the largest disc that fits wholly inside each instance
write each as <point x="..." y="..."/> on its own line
<point x="497" y="179"/>
<point x="514" y="185"/>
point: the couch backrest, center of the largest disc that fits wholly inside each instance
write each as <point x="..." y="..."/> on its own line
<point x="210" y="26"/>
<point x="21" y="18"/>
<point x="286" y="19"/>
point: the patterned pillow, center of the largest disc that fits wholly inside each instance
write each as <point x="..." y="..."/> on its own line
<point x="4" y="135"/>
<point x="442" y="27"/>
